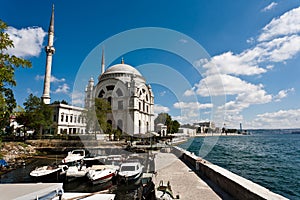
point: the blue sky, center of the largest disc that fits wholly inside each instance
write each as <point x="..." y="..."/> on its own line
<point x="247" y="72"/>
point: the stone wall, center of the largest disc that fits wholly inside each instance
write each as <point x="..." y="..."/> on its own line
<point x="236" y="186"/>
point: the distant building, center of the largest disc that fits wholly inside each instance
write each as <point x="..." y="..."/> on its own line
<point x="187" y="131"/>
<point x="69" y="119"/>
<point x="161" y="129"/>
<point x="204" y="127"/>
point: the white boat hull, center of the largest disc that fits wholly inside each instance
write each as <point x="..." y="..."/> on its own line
<point x="101" y="174"/>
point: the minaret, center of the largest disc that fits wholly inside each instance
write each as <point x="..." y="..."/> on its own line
<point x="49" y="51"/>
<point x="102" y="62"/>
<point x="89" y="94"/>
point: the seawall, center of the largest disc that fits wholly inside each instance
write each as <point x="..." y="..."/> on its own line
<point x="237" y="186"/>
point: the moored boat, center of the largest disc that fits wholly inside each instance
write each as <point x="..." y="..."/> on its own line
<point x="101" y="173"/>
<point x="130" y="171"/>
<point x="79" y="170"/>
<point x="48" y="173"/>
<point x="74" y="156"/>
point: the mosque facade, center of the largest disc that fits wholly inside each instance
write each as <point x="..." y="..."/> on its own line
<point x="130" y="98"/>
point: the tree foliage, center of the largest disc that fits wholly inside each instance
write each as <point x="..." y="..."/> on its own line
<point x="166" y="119"/>
<point x="8" y="64"/>
<point x="96" y="117"/>
<point x="61" y="102"/>
<point x="103" y="108"/>
<point x="37" y="115"/>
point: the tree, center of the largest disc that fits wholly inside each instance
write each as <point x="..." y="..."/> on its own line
<point x="96" y="118"/>
<point x="166" y="119"/>
<point x="8" y="64"/>
<point x="175" y="126"/>
<point x="61" y="102"/>
<point x="37" y="115"/>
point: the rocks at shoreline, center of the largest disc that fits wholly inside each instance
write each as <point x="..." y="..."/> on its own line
<point x="16" y="152"/>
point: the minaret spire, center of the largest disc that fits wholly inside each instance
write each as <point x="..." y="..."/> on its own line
<point x="102" y="62"/>
<point x="50" y="50"/>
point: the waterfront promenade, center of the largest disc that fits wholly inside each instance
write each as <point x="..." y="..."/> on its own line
<point x="184" y="182"/>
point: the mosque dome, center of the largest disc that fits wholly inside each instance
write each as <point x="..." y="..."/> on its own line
<point x="122" y="68"/>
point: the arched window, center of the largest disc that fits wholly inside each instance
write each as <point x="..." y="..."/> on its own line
<point x="109" y="100"/>
<point x="120" y="125"/>
<point x="140" y="126"/>
<point x="101" y="94"/>
<point x="119" y="92"/>
<point x="147" y="124"/>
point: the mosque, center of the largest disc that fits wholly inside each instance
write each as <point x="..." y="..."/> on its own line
<point x="131" y="99"/>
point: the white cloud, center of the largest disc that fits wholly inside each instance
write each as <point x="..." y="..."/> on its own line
<point x="283" y="93"/>
<point x="190" y="111"/>
<point x="280" y="49"/>
<point x="160" y="109"/>
<point x="62" y="89"/>
<point x="279" y="119"/>
<point x="190" y="92"/>
<point x="192" y="105"/>
<point x="28" y="42"/>
<point x="250" y="40"/>
<point x="230" y="85"/>
<point x="269" y="7"/>
<point x="241" y="64"/>
<point x="269" y="67"/>
<point x="78" y="98"/>
<point x="53" y="79"/>
<point x="286" y="24"/>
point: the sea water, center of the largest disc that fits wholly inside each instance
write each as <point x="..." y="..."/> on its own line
<point x="270" y="158"/>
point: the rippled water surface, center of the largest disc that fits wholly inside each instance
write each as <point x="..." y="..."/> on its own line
<point x="270" y="158"/>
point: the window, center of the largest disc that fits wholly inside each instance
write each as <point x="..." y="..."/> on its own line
<point x="109" y="100"/>
<point x="120" y="125"/>
<point x="75" y="118"/>
<point x="66" y="118"/>
<point x="120" y="105"/>
<point x="140" y="124"/>
<point x="54" y="118"/>
<point x="140" y="106"/>
<point x="71" y="118"/>
<point x="101" y="94"/>
<point x="110" y="87"/>
<point x="147" y="124"/>
<point x="119" y="92"/>
<point x="62" y="117"/>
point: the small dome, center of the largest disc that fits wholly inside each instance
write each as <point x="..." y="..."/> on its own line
<point x="122" y="68"/>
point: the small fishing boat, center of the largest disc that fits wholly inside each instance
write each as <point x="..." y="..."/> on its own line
<point x="78" y="170"/>
<point x="74" y="156"/>
<point x="102" y="173"/>
<point x="49" y="172"/>
<point x="130" y="171"/>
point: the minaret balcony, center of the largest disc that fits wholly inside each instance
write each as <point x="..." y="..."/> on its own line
<point x="50" y="49"/>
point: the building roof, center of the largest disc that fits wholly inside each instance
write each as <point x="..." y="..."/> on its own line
<point x="122" y="68"/>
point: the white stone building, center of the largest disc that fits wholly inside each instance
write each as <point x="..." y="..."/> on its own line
<point x="69" y="119"/>
<point x="131" y="99"/>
